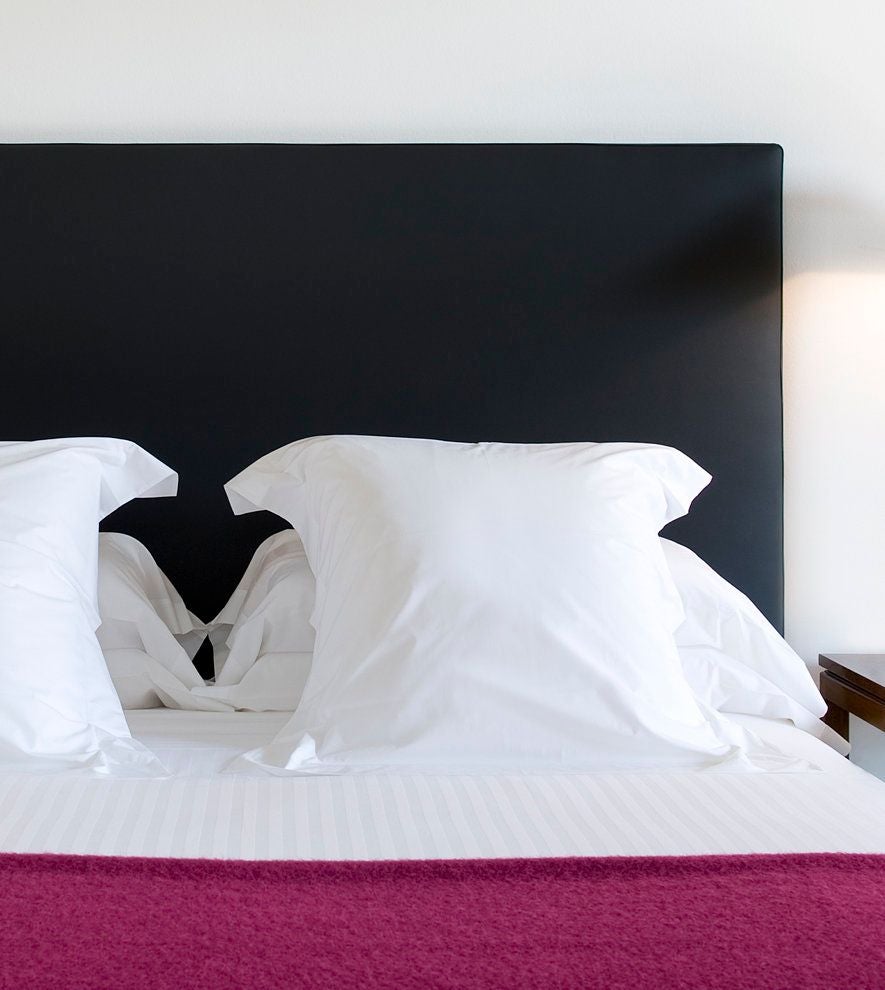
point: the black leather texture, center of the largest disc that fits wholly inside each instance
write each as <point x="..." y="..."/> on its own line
<point x="213" y="302"/>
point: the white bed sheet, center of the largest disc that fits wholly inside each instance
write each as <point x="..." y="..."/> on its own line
<point x="199" y="812"/>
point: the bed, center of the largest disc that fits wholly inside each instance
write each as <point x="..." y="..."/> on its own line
<point x="205" y="299"/>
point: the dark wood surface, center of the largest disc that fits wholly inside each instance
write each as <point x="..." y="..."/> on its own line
<point x="853" y="684"/>
<point x="866" y="670"/>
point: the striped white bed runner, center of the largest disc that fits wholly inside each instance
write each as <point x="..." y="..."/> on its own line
<point x="202" y="813"/>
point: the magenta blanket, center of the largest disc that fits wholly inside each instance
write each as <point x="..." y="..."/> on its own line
<point x="814" y="921"/>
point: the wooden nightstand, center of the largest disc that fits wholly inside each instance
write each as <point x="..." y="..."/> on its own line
<point x="853" y="683"/>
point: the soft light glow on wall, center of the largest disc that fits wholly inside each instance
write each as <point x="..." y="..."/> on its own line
<point x="834" y="408"/>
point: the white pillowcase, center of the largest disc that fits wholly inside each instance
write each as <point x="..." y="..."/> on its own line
<point x="262" y="639"/>
<point x="487" y="606"/>
<point x="272" y="684"/>
<point x="732" y="656"/>
<point x="58" y="706"/>
<point x="144" y="622"/>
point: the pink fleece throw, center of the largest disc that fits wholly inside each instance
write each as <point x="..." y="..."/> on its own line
<point x="754" y="922"/>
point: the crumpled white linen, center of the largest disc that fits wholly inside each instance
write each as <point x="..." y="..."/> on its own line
<point x="144" y="622"/>
<point x="262" y="638"/>
<point x="733" y="658"/>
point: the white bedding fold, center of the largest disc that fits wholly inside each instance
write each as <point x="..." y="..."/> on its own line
<point x="200" y="812"/>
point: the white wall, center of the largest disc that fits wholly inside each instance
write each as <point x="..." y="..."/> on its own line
<point x="809" y="74"/>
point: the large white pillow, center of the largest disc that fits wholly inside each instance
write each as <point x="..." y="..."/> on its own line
<point x="144" y="622"/>
<point x="58" y="707"/>
<point x="487" y="606"/>
<point x="733" y="657"/>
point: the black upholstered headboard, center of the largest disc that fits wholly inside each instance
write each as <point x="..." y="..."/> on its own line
<point x="213" y="302"/>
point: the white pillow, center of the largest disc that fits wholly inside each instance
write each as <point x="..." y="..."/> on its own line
<point x="130" y="671"/>
<point x="262" y="639"/>
<point x="58" y="707"/>
<point x="427" y="555"/>
<point x="143" y="618"/>
<point x="274" y="683"/>
<point x="733" y="657"/>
